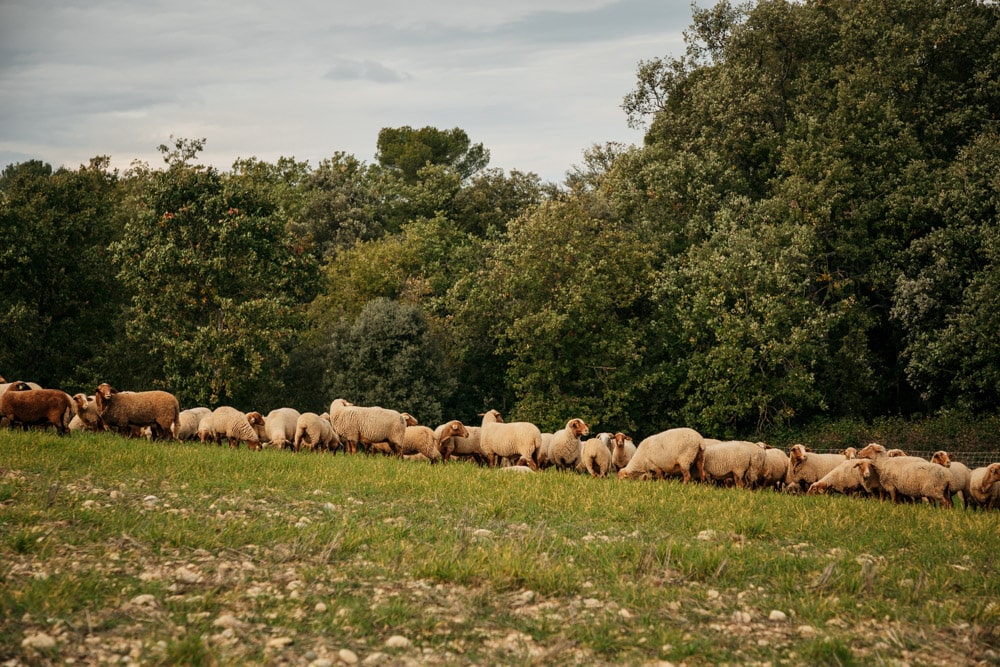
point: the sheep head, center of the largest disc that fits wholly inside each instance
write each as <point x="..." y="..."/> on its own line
<point x="895" y="452"/>
<point x="850" y="453"/>
<point x="871" y="450"/>
<point x="796" y="455"/>
<point x="577" y="427"/>
<point x="410" y="419"/>
<point x="255" y="418"/>
<point x="991" y="477"/>
<point x="816" y="488"/>
<point x="102" y="396"/>
<point x="942" y="459"/>
<point x="492" y="416"/>
<point x="457" y="429"/>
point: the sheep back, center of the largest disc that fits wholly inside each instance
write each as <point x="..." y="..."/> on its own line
<point x="667" y="453"/>
<point x="735" y="460"/>
<point x="501" y="440"/>
<point x="314" y="432"/>
<point x="596" y="457"/>
<point x="232" y="424"/>
<point x="280" y="427"/>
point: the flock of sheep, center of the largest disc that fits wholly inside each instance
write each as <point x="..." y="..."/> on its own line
<point x="519" y="446"/>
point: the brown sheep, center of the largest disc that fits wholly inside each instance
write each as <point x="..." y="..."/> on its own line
<point x="23" y="406"/>
<point x="121" y="410"/>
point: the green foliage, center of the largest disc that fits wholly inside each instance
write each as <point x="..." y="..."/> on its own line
<point x="388" y="356"/>
<point x="218" y="286"/>
<point x="409" y="150"/>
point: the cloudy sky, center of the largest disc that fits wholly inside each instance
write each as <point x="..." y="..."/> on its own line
<point x="536" y="81"/>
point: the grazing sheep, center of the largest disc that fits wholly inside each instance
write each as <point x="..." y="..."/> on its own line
<point x="775" y="467"/>
<point x="805" y="467"/>
<point x="23" y="406"/>
<point x="230" y="423"/>
<point x="670" y="452"/>
<point x="466" y="448"/>
<point x="279" y="427"/>
<point x="87" y="417"/>
<point x="188" y="422"/>
<point x="847" y="478"/>
<point x="315" y="432"/>
<point x="564" y="450"/>
<point x="421" y="440"/>
<point x="367" y="425"/>
<point x="960" y="475"/>
<point x="984" y="487"/>
<point x="622" y="451"/>
<point x="735" y="461"/>
<point x="904" y="476"/>
<point x="158" y="410"/>
<point x="595" y="457"/>
<point x="501" y="440"/>
<point x="447" y="437"/>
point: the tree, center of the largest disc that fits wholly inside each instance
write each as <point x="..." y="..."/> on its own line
<point x="408" y="150"/>
<point x="218" y="284"/>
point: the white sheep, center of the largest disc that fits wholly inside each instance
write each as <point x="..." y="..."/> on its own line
<point x="595" y="456"/>
<point x="622" y="451"/>
<point x="279" y="427"/>
<point x="501" y="440"/>
<point x="87" y="417"/>
<point x="421" y="440"/>
<point x="775" y="467"/>
<point x="158" y="410"/>
<point x="188" y="422"/>
<point x="984" y="487"/>
<point x="467" y="447"/>
<point x="564" y="450"/>
<point x="736" y="461"/>
<point x="447" y="436"/>
<point x="229" y="423"/>
<point x="367" y="425"/>
<point x="315" y="432"/>
<point x="847" y="478"/>
<point x="670" y="452"/>
<point x="960" y="475"/>
<point x="805" y="467"/>
<point x="906" y="476"/>
<point x="542" y="455"/>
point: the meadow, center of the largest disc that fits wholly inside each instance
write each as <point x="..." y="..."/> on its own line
<point x="125" y="551"/>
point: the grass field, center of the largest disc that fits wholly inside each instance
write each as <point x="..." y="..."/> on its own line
<point x="116" y="551"/>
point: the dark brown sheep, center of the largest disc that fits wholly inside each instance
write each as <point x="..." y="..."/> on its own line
<point x="23" y="406"/>
<point x="158" y="410"/>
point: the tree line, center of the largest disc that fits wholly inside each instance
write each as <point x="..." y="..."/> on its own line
<point x="809" y="229"/>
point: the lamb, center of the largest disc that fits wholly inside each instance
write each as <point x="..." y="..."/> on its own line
<point x="668" y="453"/>
<point x="595" y="457"/>
<point x="908" y="477"/>
<point x="564" y="450"/>
<point x="230" y="423"/>
<point x="775" y="467"/>
<point x="87" y="418"/>
<point x="805" y="467"/>
<point x="366" y="425"/>
<point x="120" y="410"/>
<point x="622" y="451"/>
<point x="280" y="427"/>
<point x="188" y="422"/>
<point x="737" y="461"/>
<point x="960" y="475"/>
<point x="23" y="406"/>
<point x="984" y="487"/>
<point x="499" y="439"/>
<point x="466" y="448"/>
<point x="447" y="437"/>
<point x="316" y="432"/>
<point x="847" y="478"/>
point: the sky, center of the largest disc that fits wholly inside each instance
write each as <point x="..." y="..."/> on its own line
<point x="537" y="82"/>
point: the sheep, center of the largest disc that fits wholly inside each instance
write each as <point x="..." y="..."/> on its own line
<point x="367" y="425"/>
<point x="736" y="460"/>
<point x="447" y="436"/>
<point x="805" y="467"/>
<point x="316" y="432"/>
<point x="960" y="475"/>
<point x="849" y="453"/>
<point x="906" y="476"/>
<point x="120" y="410"/>
<point x="499" y="439"/>
<point x="984" y="487"/>
<point x="668" y="453"/>
<point x="564" y="450"/>
<point x="775" y="467"/>
<point x="280" y="427"/>
<point x="23" y="406"/>
<point x="188" y="422"/>
<point x="595" y="456"/>
<point x="228" y="422"/>
<point x="466" y="448"/>
<point x="543" y="451"/>
<point x="894" y="453"/>
<point x="87" y="418"/>
<point x="422" y="440"/>
<point x="847" y="478"/>
<point x="622" y="451"/>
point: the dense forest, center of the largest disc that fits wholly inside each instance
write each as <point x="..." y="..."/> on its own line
<point x="809" y="230"/>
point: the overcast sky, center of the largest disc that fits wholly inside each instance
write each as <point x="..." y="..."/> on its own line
<point x="536" y="81"/>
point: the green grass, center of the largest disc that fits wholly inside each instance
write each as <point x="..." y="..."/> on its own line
<point x="315" y="553"/>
